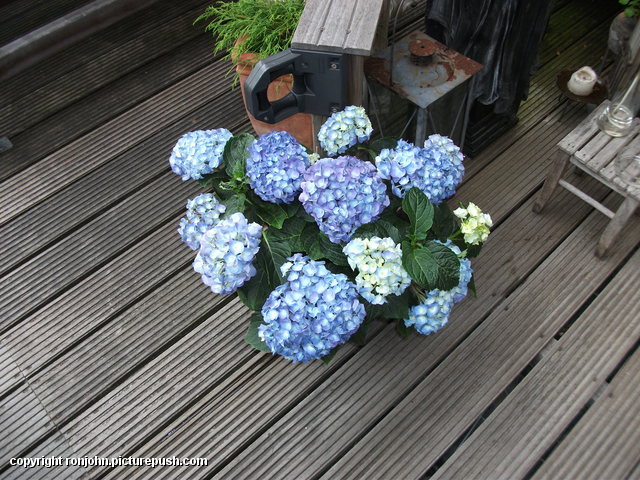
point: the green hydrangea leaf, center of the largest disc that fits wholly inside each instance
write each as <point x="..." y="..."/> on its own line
<point x="403" y="330"/>
<point x="234" y="204"/>
<point x="252" y="337"/>
<point x="271" y="213"/>
<point x="381" y="143"/>
<point x="420" y="212"/>
<point x="318" y="246"/>
<point x="235" y="154"/>
<point x="272" y="254"/>
<point x="472" y="287"/>
<point x="380" y="228"/>
<point x="328" y="357"/>
<point x="360" y="337"/>
<point x="291" y="232"/>
<point x="447" y="266"/>
<point x="420" y="265"/>
<point x="396" y="307"/>
<point x="444" y="223"/>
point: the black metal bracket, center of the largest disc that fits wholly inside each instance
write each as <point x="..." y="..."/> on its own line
<point x="319" y="84"/>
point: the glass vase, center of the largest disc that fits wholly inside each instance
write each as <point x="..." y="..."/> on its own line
<point x="617" y="119"/>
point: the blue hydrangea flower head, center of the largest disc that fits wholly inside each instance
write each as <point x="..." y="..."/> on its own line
<point x="379" y="264"/>
<point x="344" y="129"/>
<point x="433" y="314"/>
<point x="313" y="312"/>
<point x="341" y="194"/>
<point x="437" y="169"/>
<point x="275" y="167"/>
<point x="198" y="153"/>
<point x="203" y="212"/>
<point x="227" y="252"/>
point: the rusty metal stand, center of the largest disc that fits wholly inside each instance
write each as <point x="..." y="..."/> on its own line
<point x="422" y="70"/>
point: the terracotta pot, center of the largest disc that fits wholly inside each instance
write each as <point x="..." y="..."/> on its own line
<point x="298" y="125"/>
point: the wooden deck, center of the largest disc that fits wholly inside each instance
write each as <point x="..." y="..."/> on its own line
<point x="111" y="346"/>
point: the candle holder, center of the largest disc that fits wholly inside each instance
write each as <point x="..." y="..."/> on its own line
<point x="582" y="81"/>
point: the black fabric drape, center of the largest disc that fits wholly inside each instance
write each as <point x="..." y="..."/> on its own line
<point x="503" y="35"/>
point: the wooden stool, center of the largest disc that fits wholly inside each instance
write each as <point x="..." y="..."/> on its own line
<point x="593" y="151"/>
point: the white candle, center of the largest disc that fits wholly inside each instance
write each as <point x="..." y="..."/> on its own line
<point x="582" y="81"/>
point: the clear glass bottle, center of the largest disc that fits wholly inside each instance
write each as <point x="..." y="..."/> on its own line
<point x="617" y="118"/>
<point x="627" y="165"/>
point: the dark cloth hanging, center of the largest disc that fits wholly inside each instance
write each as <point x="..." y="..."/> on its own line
<point x="503" y="35"/>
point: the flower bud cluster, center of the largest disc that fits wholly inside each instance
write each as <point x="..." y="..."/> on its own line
<point x="313" y="312"/>
<point x="227" y="252"/>
<point x="275" y="166"/>
<point x="344" y="129"/>
<point x="433" y="313"/>
<point x="379" y="264"/>
<point x="203" y="212"/>
<point x="341" y="194"/>
<point x="436" y="169"/>
<point x="475" y="224"/>
<point x="199" y="153"/>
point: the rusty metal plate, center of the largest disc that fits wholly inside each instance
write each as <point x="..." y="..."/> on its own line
<point x="423" y="69"/>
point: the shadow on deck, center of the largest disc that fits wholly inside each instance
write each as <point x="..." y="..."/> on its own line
<point x="111" y="346"/>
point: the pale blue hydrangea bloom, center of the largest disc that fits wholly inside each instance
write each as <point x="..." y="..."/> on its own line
<point x="275" y="166"/>
<point x="344" y="129"/>
<point x="199" y="152"/>
<point x="313" y="312"/>
<point x="342" y="194"/>
<point x="433" y="314"/>
<point x="203" y="212"/>
<point x="436" y="169"/>
<point x="227" y="252"/>
<point x="379" y="264"/>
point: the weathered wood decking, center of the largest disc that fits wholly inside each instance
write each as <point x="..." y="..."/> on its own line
<point x="111" y="346"/>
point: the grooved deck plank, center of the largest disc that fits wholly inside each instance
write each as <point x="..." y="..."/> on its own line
<point x="70" y="87"/>
<point x="29" y="286"/>
<point x="543" y="95"/>
<point x="228" y="403"/>
<point x="108" y="184"/>
<point x="56" y="445"/>
<point x="37" y="15"/>
<point x="510" y="442"/>
<point x="571" y="22"/>
<point x="23" y="420"/>
<point x="87" y="305"/>
<point x="147" y="400"/>
<point x="10" y="373"/>
<point x="99" y="362"/>
<point x="25" y="189"/>
<point x="90" y="48"/>
<point x="143" y="362"/>
<point x="606" y="441"/>
<point x="450" y="398"/>
<point x="66" y="125"/>
<point x="531" y="155"/>
<point x="495" y="273"/>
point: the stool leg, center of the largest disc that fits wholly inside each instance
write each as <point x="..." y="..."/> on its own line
<point x="615" y="226"/>
<point x="558" y="167"/>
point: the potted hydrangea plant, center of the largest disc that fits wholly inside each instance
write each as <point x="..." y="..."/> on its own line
<point x="251" y="30"/>
<point x="320" y="247"/>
